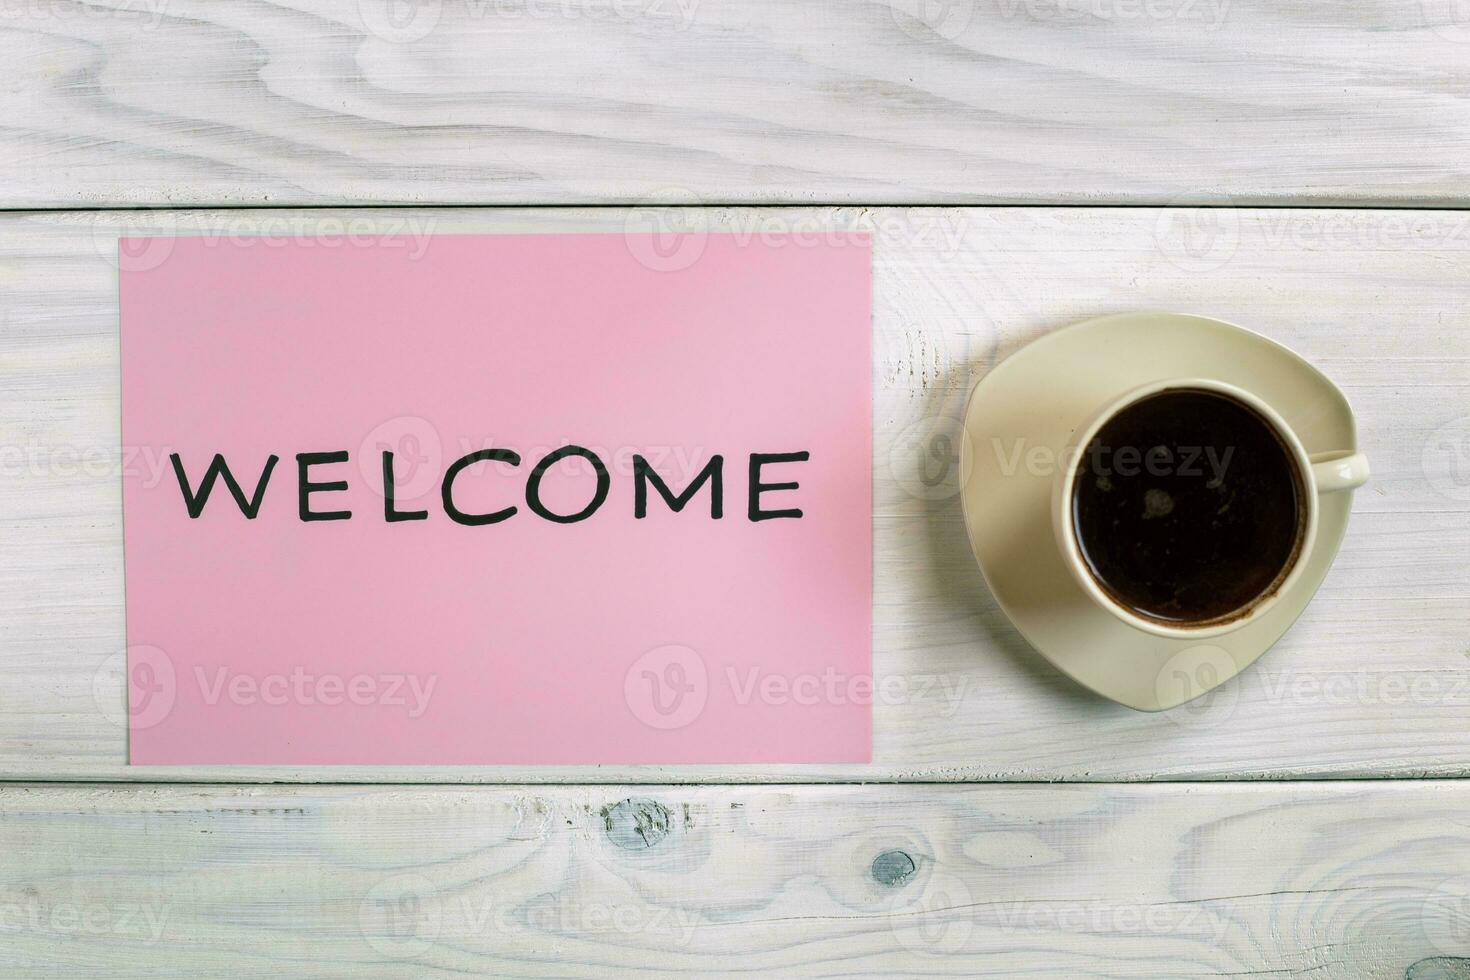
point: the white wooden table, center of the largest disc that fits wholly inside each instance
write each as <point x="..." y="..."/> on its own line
<point x="1292" y="166"/>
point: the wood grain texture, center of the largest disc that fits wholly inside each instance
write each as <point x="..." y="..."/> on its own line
<point x="1373" y="680"/>
<point x="313" y="102"/>
<point x="1326" y="881"/>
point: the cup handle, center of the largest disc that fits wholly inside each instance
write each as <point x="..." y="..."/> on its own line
<point x="1334" y="471"/>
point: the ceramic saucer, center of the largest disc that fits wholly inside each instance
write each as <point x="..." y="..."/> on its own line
<point x="1018" y="426"/>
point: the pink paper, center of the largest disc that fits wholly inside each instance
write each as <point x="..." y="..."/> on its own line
<point x="676" y="638"/>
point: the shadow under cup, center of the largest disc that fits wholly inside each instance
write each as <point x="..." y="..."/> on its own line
<point x="1189" y="508"/>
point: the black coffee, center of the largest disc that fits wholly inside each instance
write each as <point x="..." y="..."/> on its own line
<point x="1188" y="507"/>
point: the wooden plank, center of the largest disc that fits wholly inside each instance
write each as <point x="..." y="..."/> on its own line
<point x="1286" y="880"/>
<point x="1372" y="681"/>
<point x="188" y="102"/>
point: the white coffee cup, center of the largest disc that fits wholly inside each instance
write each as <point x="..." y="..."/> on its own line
<point x="1328" y="472"/>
